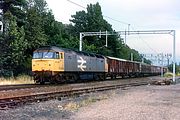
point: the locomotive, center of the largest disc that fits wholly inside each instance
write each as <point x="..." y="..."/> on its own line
<point x="56" y="65"/>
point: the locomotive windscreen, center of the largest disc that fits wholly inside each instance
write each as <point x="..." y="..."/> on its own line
<point x="45" y="55"/>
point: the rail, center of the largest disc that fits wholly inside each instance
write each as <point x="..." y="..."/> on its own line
<point x="11" y="99"/>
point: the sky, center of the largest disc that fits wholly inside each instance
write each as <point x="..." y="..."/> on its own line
<point x="140" y="14"/>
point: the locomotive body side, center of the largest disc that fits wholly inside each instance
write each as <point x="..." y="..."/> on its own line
<point x="84" y="65"/>
<point x="52" y="64"/>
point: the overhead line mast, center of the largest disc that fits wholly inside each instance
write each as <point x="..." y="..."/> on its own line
<point x="170" y="32"/>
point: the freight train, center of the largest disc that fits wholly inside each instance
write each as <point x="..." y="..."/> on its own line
<point x="56" y="65"/>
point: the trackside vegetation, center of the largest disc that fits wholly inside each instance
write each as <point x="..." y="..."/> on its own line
<point x="30" y="24"/>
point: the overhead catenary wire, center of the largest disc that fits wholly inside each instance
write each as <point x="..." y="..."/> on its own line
<point x="76" y="4"/>
<point x="145" y="42"/>
<point x="119" y="22"/>
<point x="102" y="15"/>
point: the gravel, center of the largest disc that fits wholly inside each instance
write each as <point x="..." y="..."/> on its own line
<point x="136" y="103"/>
<point x="139" y="103"/>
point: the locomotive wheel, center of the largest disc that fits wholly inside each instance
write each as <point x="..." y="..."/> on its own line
<point x="102" y="77"/>
<point x="42" y="82"/>
<point x="96" y="77"/>
<point x="75" y="77"/>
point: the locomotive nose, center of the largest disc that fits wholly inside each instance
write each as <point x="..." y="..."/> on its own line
<point x="42" y="65"/>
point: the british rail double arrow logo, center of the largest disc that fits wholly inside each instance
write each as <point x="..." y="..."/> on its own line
<point x="82" y="62"/>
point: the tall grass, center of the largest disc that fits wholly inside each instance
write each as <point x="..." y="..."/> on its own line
<point x="22" y="79"/>
<point x="169" y="74"/>
<point x="73" y="106"/>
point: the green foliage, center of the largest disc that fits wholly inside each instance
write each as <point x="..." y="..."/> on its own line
<point x="177" y="68"/>
<point x="34" y="32"/>
<point x="29" y="24"/>
<point x="93" y="21"/>
<point x="168" y="74"/>
<point x="15" y="7"/>
<point x="13" y="46"/>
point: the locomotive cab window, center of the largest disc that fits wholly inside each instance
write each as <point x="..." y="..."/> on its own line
<point x="57" y="55"/>
<point x="37" y="55"/>
<point x="61" y="56"/>
<point x="46" y="55"/>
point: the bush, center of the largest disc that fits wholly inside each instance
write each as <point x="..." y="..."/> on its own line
<point x="6" y="73"/>
<point x="168" y="74"/>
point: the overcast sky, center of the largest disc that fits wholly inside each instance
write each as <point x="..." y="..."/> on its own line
<point x="140" y="14"/>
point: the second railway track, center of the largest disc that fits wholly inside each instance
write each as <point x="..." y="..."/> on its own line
<point x="10" y="99"/>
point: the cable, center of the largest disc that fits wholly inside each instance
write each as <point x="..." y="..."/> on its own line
<point x="102" y="15"/>
<point x="116" y="20"/>
<point x="146" y="43"/>
<point x="76" y="4"/>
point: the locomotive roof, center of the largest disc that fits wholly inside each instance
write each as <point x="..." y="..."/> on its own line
<point x="58" y="49"/>
<point x="116" y="58"/>
<point x="49" y="48"/>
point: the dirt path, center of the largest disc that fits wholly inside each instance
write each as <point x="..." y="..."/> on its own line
<point x="140" y="103"/>
<point x="135" y="103"/>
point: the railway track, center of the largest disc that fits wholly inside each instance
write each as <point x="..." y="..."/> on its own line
<point x="22" y="86"/>
<point x="13" y="87"/>
<point x="14" y="98"/>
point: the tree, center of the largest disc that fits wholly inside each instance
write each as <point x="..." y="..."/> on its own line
<point x="93" y="21"/>
<point x="177" y="68"/>
<point x="13" y="46"/>
<point x="34" y="27"/>
<point x="12" y="40"/>
<point x="16" y="8"/>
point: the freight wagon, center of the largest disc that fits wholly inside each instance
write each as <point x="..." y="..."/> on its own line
<point x="56" y="65"/>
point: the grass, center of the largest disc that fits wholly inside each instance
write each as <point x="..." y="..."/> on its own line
<point x="178" y="74"/>
<point x="73" y="106"/>
<point x="22" y="79"/>
<point x="168" y="74"/>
